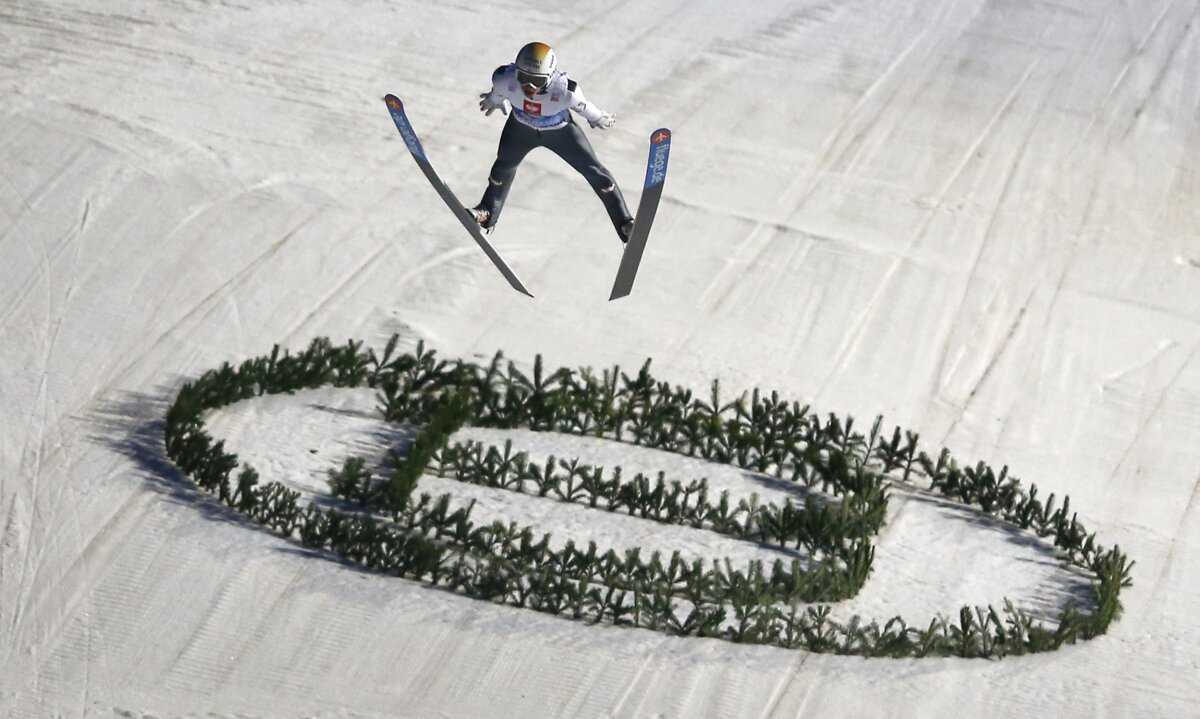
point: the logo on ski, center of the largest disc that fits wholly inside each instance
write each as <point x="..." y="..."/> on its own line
<point x="660" y="148"/>
<point x="396" y="108"/>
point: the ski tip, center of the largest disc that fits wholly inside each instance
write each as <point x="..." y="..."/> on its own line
<point x="393" y="102"/>
<point x="660" y="136"/>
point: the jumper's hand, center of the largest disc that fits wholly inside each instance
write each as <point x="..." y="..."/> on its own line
<point x="605" y="121"/>
<point x="489" y="103"/>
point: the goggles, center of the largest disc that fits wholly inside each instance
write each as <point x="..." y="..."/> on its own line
<point x="529" y="78"/>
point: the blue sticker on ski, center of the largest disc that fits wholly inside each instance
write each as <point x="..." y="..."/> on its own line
<point x="660" y="151"/>
<point x="396" y="108"/>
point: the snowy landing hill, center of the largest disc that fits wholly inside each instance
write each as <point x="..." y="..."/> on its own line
<point x="978" y="219"/>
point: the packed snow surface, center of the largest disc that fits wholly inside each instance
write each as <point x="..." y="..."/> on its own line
<point x="976" y="218"/>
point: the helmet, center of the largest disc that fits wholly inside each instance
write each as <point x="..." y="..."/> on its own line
<point x="535" y="64"/>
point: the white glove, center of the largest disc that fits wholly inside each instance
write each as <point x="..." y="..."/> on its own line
<point x="489" y="103"/>
<point x="605" y="121"/>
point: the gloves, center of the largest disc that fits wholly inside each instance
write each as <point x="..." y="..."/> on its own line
<point x="604" y="122"/>
<point x="489" y="104"/>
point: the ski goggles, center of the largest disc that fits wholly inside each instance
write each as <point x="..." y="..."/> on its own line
<point x="529" y="78"/>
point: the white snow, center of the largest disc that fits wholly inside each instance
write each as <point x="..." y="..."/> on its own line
<point x="975" y="218"/>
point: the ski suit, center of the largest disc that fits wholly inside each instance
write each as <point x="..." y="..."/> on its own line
<point x="545" y="120"/>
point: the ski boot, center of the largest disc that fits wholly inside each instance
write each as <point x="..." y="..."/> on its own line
<point x="625" y="231"/>
<point x="481" y="215"/>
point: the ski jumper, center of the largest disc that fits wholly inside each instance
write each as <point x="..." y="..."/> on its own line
<point x="545" y="120"/>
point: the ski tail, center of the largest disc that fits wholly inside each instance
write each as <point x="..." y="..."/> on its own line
<point x="396" y="110"/>
<point x="656" y="175"/>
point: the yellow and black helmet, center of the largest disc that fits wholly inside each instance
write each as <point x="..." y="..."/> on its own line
<point x="535" y="64"/>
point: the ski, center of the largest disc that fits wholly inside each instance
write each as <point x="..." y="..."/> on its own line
<point x="396" y="109"/>
<point x="656" y="173"/>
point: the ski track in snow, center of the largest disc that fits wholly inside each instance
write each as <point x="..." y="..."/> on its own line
<point x="970" y="217"/>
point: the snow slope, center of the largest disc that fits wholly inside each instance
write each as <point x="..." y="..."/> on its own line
<point x="976" y="218"/>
